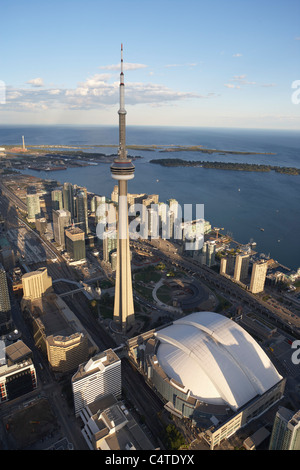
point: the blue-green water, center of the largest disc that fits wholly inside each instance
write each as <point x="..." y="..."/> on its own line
<point x="241" y="202"/>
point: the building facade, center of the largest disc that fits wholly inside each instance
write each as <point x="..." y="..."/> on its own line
<point x="258" y="276"/>
<point x="109" y="244"/>
<point x="35" y="284"/>
<point x="97" y="378"/>
<point x="17" y="375"/>
<point x="57" y="199"/>
<point x="75" y="243"/>
<point x="241" y="267"/>
<point x="66" y="352"/>
<point x="33" y="206"/>
<point x="82" y="210"/>
<point x="61" y="220"/>
<point x="5" y="306"/>
<point x="286" y="430"/>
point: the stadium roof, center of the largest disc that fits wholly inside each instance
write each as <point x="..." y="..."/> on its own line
<point x="216" y="359"/>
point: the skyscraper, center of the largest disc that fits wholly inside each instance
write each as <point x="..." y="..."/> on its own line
<point x="5" y="307"/>
<point x="57" y="199"/>
<point x="109" y="244"/>
<point x="123" y="170"/>
<point x="68" y="199"/>
<point x="99" y="201"/>
<point x="61" y="220"/>
<point x="33" y="206"/>
<point x="82" y="210"/>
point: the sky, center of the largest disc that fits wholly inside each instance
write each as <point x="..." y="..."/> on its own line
<point x="213" y="63"/>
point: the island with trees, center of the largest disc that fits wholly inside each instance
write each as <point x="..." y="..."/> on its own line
<point x="177" y="162"/>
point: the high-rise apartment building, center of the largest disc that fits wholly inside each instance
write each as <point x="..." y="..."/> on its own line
<point x="109" y="244"/>
<point x="223" y="265"/>
<point x="97" y="378"/>
<point x="57" y="199"/>
<point x="174" y="218"/>
<point x="208" y="253"/>
<point x="115" y="194"/>
<point x="258" y="276"/>
<point x="227" y="264"/>
<point x="99" y="201"/>
<point x="68" y="199"/>
<point x="122" y="170"/>
<point x="5" y="307"/>
<point x="75" y="243"/>
<point x="241" y="267"/>
<point x="61" y="220"/>
<point x="286" y="430"/>
<point x="33" y="206"/>
<point x="82" y="210"/>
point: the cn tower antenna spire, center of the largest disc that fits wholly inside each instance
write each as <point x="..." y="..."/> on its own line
<point x="121" y="59"/>
<point x="122" y="113"/>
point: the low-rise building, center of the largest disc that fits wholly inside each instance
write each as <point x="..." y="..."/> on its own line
<point x="17" y="374"/>
<point x="108" y="425"/>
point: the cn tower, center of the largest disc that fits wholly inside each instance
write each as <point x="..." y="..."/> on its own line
<point x="122" y="170"/>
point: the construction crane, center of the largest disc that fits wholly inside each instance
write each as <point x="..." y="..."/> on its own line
<point x="217" y="230"/>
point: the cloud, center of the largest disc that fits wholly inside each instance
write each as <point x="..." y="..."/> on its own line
<point x="297" y="38"/>
<point x="241" y="82"/>
<point x="96" y="92"/>
<point x="237" y="55"/>
<point x="96" y="81"/>
<point x="36" y="82"/>
<point x="241" y="79"/>
<point x="13" y="94"/>
<point x="54" y="92"/>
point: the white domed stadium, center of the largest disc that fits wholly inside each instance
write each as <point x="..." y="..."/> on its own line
<point x="207" y="368"/>
<point x="216" y="359"/>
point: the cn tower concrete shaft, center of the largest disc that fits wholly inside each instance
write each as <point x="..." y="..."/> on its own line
<point x="123" y="307"/>
<point x="123" y="170"/>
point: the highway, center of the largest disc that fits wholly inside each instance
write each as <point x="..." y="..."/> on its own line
<point x="17" y="201"/>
